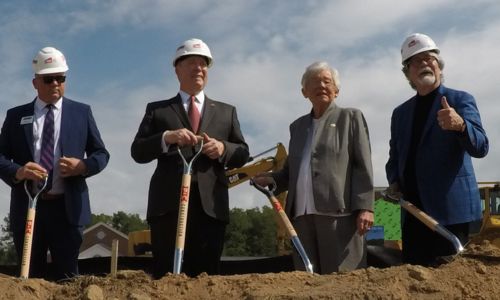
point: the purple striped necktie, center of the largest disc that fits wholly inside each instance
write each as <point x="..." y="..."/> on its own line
<point x="47" y="149"/>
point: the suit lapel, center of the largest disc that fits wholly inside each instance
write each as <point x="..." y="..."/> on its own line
<point x="65" y="129"/>
<point x="180" y="111"/>
<point x="326" y="124"/>
<point x="405" y="130"/>
<point x="28" y="128"/>
<point x="208" y="113"/>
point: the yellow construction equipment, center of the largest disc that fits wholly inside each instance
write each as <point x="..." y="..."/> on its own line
<point x="490" y="227"/>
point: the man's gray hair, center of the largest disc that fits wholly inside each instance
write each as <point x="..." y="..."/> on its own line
<point x="406" y="68"/>
<point x="317" y="67"/>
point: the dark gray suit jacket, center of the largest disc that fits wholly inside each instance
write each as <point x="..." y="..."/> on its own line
<point x="219" y="121"/>
<point x="340" y="162"/>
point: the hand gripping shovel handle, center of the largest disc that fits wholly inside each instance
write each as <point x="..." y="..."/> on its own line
<point x="183" y="210"/>
<point x="284" y="219"/>
<point x="28" y="231"/>
<point x="428" y="221"/>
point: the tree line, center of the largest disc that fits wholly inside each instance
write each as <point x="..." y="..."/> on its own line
<point x="250" y="232"/>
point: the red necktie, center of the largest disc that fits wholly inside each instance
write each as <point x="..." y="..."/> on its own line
<point x="194" y="115"/>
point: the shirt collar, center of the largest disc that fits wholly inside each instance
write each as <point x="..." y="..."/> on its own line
<point x="200" y="97"/>
<point x="40" y="104"/>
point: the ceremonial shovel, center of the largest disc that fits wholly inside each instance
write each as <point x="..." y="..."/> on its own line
<point x="183" y="210"/>
<point x="284" y="218"/>
<point x="29" y="228"/>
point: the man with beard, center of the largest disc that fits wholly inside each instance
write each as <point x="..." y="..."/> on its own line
<point x="433" y="137"/>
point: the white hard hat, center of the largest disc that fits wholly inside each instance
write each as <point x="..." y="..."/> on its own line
<point x="49" y="60"/>
<point x="415" y="44"/>
<point x="193" y="47"/>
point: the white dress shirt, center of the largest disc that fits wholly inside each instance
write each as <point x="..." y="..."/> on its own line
<point x="39" y="114"/>
<point x="186" y="99"/>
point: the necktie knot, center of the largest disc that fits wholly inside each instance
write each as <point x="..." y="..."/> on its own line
<point x="194" y="114"/>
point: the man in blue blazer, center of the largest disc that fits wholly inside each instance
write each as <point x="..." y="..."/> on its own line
<point x="56" y="137"/>
<point x="433" y="137"/>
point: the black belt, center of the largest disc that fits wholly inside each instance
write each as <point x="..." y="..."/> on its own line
<point x="51" y="197"/>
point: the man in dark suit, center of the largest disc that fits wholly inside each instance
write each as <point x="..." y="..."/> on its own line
<point x="434" y="134"/>
<point x="56" y="137"/>
<point x="173" y="123"/>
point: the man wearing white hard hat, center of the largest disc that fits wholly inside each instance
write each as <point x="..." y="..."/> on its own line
<point x="53" y="137"/>
<point x="434" y="134"/>
<point x="180" y="122"/>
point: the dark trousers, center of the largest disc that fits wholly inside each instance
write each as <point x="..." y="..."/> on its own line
<point x="204" y="240"/>
<point x="422" y="246"/>
<point x="52" y="233"/>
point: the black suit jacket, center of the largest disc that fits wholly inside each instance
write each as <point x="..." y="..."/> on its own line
<point x="219" y="121"/>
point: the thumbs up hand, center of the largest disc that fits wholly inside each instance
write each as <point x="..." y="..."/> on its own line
<point x="448" y="118"/>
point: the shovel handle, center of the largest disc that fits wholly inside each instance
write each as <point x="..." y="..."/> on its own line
<point x="182" y="217"/>
<point x="427" y="220"/>
<point x="29" y="228"/>
<point x="286" y="222"/>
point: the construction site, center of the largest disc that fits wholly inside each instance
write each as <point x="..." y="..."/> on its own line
<point x="472" y="273"/>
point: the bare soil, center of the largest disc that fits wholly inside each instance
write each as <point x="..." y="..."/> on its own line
<point x="475" y="274"/>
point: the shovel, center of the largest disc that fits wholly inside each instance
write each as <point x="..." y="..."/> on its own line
<point x="183" y="209"/>
<point x="29" y="228"/>
<point x="288" y="225"/>
<point x="427" y="220"/>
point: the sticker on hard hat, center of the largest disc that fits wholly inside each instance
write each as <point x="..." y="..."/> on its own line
<point x="412" y="43"/>
<point x="48" y="60"/>
<point x="197" y="46"/>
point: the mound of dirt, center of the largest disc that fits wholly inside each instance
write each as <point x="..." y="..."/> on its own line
<point x="471" y="275"/>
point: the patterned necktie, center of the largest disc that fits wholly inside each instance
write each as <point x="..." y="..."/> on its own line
<point x="47" y="150"/>
<point x="194" y="115"/>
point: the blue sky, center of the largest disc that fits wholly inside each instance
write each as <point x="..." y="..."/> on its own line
<point x="120" y="52"/>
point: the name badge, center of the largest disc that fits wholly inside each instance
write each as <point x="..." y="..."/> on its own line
<point x="27" y="120"/>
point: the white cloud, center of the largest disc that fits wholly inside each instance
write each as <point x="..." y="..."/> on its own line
<point x="260" y="50"/>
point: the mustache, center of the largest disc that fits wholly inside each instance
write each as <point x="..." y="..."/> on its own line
<point x="425" y="71"/>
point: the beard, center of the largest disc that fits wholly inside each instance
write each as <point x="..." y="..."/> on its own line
<point x="427" y="80"/>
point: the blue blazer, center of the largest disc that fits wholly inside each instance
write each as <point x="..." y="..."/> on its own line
<point x="79" y="138"/>
<point x="446" y="181"/>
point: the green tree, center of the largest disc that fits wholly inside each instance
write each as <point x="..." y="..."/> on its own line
<point x="128" y="222"/>
<point x="235" y="239"/>
<point x="121" y="221"/>
<point x="251" y="232"/>
<point x="106" y="219"/>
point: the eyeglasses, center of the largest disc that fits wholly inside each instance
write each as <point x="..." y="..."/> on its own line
<point x="49" y="79"/>
<point x="416" y="60"/>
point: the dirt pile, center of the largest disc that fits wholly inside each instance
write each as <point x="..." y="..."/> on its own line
<point x="471" y="275"/>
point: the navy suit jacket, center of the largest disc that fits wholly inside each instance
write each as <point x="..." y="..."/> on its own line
<point x="219" y="121"/>
<point x="79" y="138"/>
<point x="446" y="181"/>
